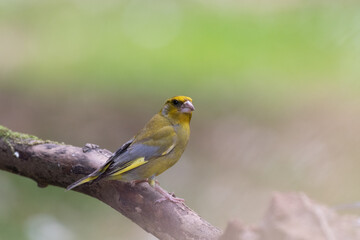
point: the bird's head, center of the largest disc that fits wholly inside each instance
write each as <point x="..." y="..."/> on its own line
<point x="178" y="108"/>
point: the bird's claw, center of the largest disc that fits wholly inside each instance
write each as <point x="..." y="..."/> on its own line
<point x="134" y="182"/>
<point x="165" y="195"/>
<point x="171" y="197"/>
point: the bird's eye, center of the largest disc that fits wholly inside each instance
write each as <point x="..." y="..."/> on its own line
<point x="175" y="102"/>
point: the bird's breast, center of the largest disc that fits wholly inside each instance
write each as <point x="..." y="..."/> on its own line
<point x="183" y="134"/>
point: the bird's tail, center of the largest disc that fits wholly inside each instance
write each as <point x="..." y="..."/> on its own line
<point x="98" y="174"/>
<point x="89" y="178"/>
<point x="83" y="180"/>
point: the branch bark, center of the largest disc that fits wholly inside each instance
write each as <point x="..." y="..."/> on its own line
<point x="52" y="163"/>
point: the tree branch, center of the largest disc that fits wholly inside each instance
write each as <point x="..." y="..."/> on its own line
<point x="58" y="164"/>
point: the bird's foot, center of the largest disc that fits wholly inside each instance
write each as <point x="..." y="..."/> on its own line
<point x="150" y="181"/>
<point x="134" y="182"/>
<point x="170" y="197"/>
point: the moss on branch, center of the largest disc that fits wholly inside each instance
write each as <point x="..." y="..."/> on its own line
<point x="11" y="137"/>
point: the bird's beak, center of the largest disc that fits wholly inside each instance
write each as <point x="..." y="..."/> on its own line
<point x="187" y="107"/>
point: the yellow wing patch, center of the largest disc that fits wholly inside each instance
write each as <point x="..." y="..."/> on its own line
<point x="131" y="165"/>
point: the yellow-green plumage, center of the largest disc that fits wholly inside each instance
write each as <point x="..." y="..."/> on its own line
<point x="156" y="147"/>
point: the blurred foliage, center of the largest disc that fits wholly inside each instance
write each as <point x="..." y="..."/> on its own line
<point x="275" y="86"/>
<point x="88" y="43"/>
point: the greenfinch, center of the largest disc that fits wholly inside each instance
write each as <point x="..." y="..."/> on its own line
<point x="154" y="149"/>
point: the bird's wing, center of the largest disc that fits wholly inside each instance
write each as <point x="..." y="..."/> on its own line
<point x="137" y="152"/>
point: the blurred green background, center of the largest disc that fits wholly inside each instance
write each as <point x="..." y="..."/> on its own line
<point x="275" y="85"/>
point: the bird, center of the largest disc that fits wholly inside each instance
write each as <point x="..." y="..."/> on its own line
<point x="154" y="149"/>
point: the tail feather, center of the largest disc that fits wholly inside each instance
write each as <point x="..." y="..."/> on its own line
<point x="91" y="177"/>
<point x="81" y="181"/>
